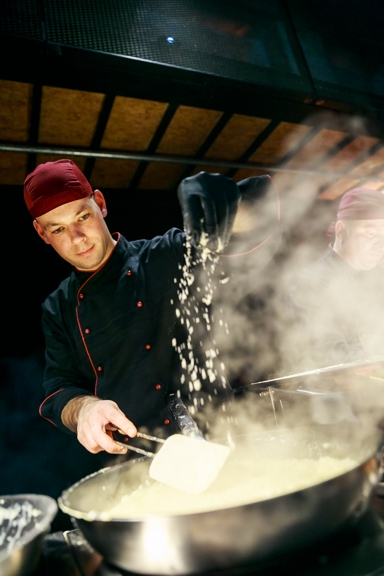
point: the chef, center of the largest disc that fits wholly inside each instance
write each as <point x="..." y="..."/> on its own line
<point x="110" y="327"/>
<point x="337" y="300"/>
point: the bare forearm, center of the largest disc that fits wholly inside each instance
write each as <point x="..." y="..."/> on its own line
<point x="70" y="413"/>
<point x="93" y="420"/>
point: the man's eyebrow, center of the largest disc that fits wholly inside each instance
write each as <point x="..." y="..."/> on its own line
<point x="53" y="224"/>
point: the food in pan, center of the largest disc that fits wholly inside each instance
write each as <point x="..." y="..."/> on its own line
<point x="15" y="521"/>
<point x="240" y="482"/>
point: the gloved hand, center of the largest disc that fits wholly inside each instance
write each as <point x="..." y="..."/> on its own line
<point x="209" y="204"/>
<point x="259" y="211"/>
<point x="255" y="188"/>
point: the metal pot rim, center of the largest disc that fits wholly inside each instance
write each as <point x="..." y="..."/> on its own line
<point x="48" y="508"/>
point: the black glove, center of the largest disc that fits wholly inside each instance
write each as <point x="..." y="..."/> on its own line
<point x="255" y="188"/>
<point x="260" y="202"/>
<point x="209" y="204"/>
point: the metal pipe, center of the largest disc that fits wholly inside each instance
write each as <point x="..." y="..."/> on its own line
<point x="142" y="157"/>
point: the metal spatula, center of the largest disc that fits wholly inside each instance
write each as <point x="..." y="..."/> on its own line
<point x="185" y="461"/>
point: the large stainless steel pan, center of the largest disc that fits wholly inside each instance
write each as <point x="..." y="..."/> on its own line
<point x="234" y="536"/>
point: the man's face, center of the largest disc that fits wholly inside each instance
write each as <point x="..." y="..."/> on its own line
<point x="78" y="233"/>
<point x="361" y="242"/>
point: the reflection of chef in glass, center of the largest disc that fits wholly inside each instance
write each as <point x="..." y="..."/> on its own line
<point x="338" y="299"/>
<point x="109" y="327"/>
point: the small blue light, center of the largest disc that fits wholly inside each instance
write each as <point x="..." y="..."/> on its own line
<point x="170" y="40"/>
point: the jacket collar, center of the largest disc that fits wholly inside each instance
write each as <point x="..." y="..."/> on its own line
<point x="341" y="266"/>
<point x="110" y="268"/>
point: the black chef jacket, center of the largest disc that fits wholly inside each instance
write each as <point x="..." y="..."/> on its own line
<point x="109" y="333"/>
<point x="338" y="310"/>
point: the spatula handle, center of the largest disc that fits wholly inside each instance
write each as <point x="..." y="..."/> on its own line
<point x="134" y="449"/>
<point x="186" y="423"/>
<point x="149" y="437"/>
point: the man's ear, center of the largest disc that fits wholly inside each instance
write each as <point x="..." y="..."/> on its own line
<point x="340" y="229"/>
<point x="100" y="201"/>
<point x="40" y="231"/>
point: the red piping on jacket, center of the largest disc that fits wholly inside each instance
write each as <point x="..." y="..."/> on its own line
<point x="78" y="320"/>
<point x="42" y="404"/>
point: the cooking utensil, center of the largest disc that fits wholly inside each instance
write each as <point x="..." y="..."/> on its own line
<point x="24" y="520"/>
<point x="185" y="461"/>
<point x="313" y="405"/>
<point x="185" y="544"/>
<point x="334" y="393"/>
<point x="135" y="448"/>
<point x="376" y="362"/>
<point x="188" y="464"/>
<point x="184" y="420"/>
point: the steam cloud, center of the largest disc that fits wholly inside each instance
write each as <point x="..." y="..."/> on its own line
<point x="265" y="340"/>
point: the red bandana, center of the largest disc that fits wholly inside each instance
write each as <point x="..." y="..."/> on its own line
<point x="52" y="184"/>
<point x="361" y="204"/>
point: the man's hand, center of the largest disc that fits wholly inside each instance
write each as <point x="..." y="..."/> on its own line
<point x="94" y="420"/>
<point x="259" y="210"/>
<point x="209" y="204"/>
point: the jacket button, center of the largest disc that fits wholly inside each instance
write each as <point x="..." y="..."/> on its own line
<point x="148" y="346"/>
<point x="167" y="421"/>
<point x="87" y="331"/>
<point x="129" y="272"/>
<point x="99" y="368"/>
<point x="81" y="296"/>
<point x="158" y="386"/>
<point x="139" y="304"/>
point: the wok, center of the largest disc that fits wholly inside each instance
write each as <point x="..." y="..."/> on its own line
<point x="22" y="553"/>
<point x="190" y="543"/>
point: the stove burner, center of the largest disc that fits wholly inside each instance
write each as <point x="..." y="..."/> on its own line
<point x="357" y="549"/>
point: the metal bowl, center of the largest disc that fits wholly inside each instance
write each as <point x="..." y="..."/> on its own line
<point x="21" y="538"/>
<point x="185" y="544"/>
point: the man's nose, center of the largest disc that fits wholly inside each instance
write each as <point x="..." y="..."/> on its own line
<point x="77" y="234"/>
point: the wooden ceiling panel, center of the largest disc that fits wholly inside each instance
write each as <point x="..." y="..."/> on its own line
<point x="338" y="188"/>
<point x="69" y="117"/>
<point x="15" y="110"/>
<point x="236" y="137"/>
<point x="113" y="173"/>
<point x="373" y="185"/>
<point x="350" y="153"/>
<point x="78" y="160"/>
<point x="210" y="169"/>
<point x="13" y="168"/>
<point x="161" y="176"/>
<point x="284" y="138"/>
<point x="75" y="118"/>
<point x="188" y="130"/>
<point x="371" y="164"/>
<point x="243" y="174"/>
<point x="132" y="124"/>
<point x="316" y="149"/>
